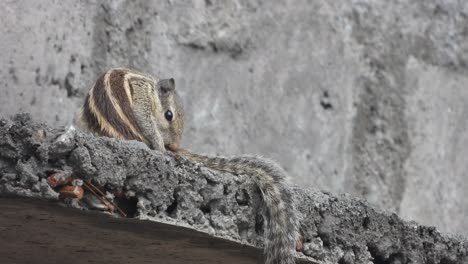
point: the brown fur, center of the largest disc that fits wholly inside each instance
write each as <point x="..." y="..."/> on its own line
<point x="116" y="79"/>
<point x="115" y="107"/>
<point x="105" y="107"/>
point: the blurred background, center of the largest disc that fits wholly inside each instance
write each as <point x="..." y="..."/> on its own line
<point x="362" y="97"/>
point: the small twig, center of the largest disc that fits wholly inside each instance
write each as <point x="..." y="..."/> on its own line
<point x="94" y="190"/>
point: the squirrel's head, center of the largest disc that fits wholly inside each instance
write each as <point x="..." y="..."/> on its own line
<point x="172" y="125"/>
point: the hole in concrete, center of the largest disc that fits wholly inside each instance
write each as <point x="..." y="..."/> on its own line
<point x="326" y="238"/>
<point x="242" y="197"/>
<point x="259" y="224"/>
<point x="343" y="261"/>
<point x="128" y="205"/>
<point x="69" y="80"/>
<point x="366" y="222"/>
<point x="447" y="261"/>
<point x="374" y="252"/>
<point x="396" y="258"/>
<point x="206" y="208"/>
<point x="325" y="101"/>
<point x="172" y="208"/>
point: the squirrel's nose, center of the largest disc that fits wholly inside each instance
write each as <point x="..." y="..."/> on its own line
<point x="172" y="147"/>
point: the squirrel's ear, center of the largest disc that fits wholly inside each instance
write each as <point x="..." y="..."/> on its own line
<point x="167" y="85"/>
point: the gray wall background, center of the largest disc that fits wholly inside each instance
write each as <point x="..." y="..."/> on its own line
<point x="365" y="97"/>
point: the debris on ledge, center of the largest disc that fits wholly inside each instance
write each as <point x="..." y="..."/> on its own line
<point x="159" y="187"/>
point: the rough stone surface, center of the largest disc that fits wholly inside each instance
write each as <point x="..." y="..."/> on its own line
<point x="365" y="97"/>
<point x="173" y="190"/>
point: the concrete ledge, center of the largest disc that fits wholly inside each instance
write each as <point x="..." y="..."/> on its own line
<point x="172" y="190"/>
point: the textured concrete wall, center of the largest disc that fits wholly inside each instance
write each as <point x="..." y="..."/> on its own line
<point x="366" y="97"/>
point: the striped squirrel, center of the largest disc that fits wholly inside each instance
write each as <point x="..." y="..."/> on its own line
<point x="129" y="105"/>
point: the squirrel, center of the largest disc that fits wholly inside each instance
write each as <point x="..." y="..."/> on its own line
<point x="130" y="105"/>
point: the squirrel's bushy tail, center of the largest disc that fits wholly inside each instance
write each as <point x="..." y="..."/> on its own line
<point x="281" y="220"/>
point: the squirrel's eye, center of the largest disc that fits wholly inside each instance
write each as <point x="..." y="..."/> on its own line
<point x="169" y="115"/>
